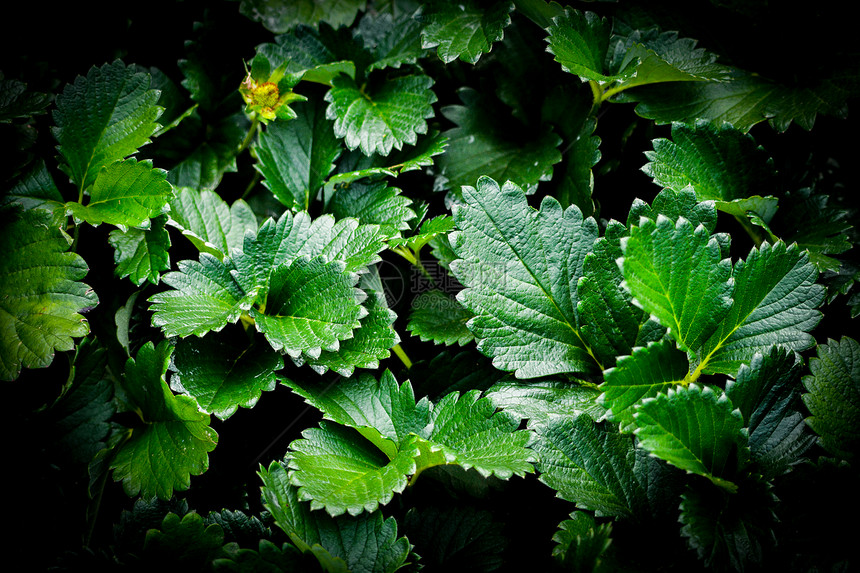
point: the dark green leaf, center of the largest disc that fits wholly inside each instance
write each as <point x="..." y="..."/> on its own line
<point x="463" y="30"/>
<point x="209" y="223"/>
<point x="141" y="254"/>
<point x="279" y="16"/>
<point x="438" y="317"/>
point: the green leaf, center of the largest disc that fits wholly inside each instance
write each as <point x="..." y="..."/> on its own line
<point x="430" y="229"/>
<point x="36" y="189"/>
<point x="295" y="157"/>
<point x="694" y="429"/>
<point x="201" y="151"/>
<point x="580" y="43"/>
<point x="601" y="470"/>
<point x="543" y="400"/>
<point x="367" y="543"/>
<point x="295" y="321"/>
<point x="480" y="146"/>
<point x="205" y="297"/>
<point x="141" y="254"/>
<point x="188" y="542"/>
<point x="521" y="267"/>
<point x="279" y="16"/>
<point x="776" y="296"/>
<point x="729" y="531"/>
<point x="438" y="317"/>
<point x="768" y="394"/>
<point x="235" y="372"/>
<point x="644" y="374"/>
<point x="388" y="437"/>
<point x="41" y="296"/>
<point x="453" y="372"/>
<point x="370" y="343"/>
<point x="16" y="101"/>
<point x="464" y="30"/>
<point x="823" y="229"/>
<point x="373" y="203"/>
<point x="676" y="273"/>
<point x="209" y="223"/>
<point x="581" y="542"/>
<point x="103" y="118"/>
<point x="175" y="439"/>
<point x="310" y="54"/>
<point x="126" y="194"/>
<point x="379" y="118"/>
<point x="721" y="164"/>
<point x="393" y="41"/>
<point x="834" y="396"/>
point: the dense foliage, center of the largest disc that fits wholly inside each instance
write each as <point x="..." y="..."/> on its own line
<point x="367" y="285"/>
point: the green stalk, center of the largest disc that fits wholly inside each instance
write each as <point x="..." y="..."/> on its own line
<point x="401" y="354"/>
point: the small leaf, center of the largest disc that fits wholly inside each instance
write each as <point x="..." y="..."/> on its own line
<point x="581" y="542"/>
<point x="36" y="189"/>
<point x="126" y="194"/>
<point x="374" y="203"/>
<point x="438" y="317"/>
<point x="834" y="396"/>
<point x="693" y="429"/>
<point x="379" y="119"/>
<point x="40" y="294"/>
<point x="296" y="156"/>
<point x="541" y="401"/>
<point x="103" y="118"/>
<point x="175" y="439"/>
<point x="393" y="41"/>
<point x="580" y="43"/>
<point x="279" y="16"/>
<point x="188" y="542"/>
<point x="235" y="372"/>
<point x="141" y="254"/>
<point x="463" y="30"/>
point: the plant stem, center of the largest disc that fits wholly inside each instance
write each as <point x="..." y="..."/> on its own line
<point x="401" y="354"/>
<point x="252" y="131"/>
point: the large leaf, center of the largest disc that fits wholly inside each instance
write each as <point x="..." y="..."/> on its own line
<point x="209" y="223"/>
<point x="126" y="194"/>
<point x="521" y="267"/>
<point x="235" y="373"/>
<point x="694" y="429"/>
<point x="677" y="273"/>
<point x="174" y="440"/>
<point x="834" y="396"/>
<point x="463" y="30"/>
<point x="41" y="296"/>
<point x="103" y="118"/>
<point x="296" y="156"/>
<point x="380" y="118"/>
<point x="367" y="543"/>
<point x="480" y="145"/>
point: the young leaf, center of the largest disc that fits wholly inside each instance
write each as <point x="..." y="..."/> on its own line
<point x="41" y="295"/>
<point x="438" y="317"/>
<point x="209" y="223"/>
<point x="126" y="194"/>
<point x="174" y="441"/>
<point x="676" y="272"/>
<point x="479" y="146"/>
<point x="294" y="320"/>
<point x="834" y="396"/>
<point x="296" y="156"/>
<point x="234" y="374"/>
<point x="521" y="267"/>
<point x="367" y="543"/>
<point x="141" y="254"/>
<point x="693" y="429"/>
<point x="103" y="118"/>
<point x="381" y="118"/>
<point x="643" y="374"/>
<point x="463" y="30"/>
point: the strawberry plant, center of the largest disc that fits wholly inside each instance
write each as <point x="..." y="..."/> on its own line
<point x="401" y="285"/>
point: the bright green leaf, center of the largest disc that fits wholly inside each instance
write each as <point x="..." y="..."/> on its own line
<point x="374" y="203"/>
<point x="41" y="296"/>
<point x="693" y="429"/>
<point x="175" y="439"/>
<point x="209" y="223"/>
<point x="521" y="267"/>
<point x="141" y="254"/>
<point x="103" y="118"/>
<point x="580" y="43"/>
<point x="542" y="400"/>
